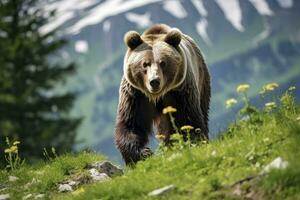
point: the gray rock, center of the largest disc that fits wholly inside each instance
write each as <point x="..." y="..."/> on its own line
<point x="12" y="178"/>
<point x="277" y="163"/>
<point x="107" y="168"/>
<point x="98" y="172"/>
<point x="4" y="196"/>
<point x="97" y="176"/>
<point x="161" y="191"/>
<point x="73" y="183"/>
<point x="65" y="188"/>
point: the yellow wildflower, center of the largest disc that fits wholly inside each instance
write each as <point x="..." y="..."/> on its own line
<point x="160" y="136"/>
<point x="7" y="151"/>
<point x="186" y="128"/>
<point x="292" y="88"/>
<point x="169" y="109"/>
<point x="231" y="102"/>
<point x="16" y="143"/>
<point x="270" y="87"/>
<point x="14" y="149"/>
<point x="270" y="105"/>
<point x="243" y="88"/>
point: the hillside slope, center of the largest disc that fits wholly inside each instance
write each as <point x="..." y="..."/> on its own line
<point x="226" y="168"/>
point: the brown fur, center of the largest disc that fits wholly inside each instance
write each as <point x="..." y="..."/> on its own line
<point x="132" y="39"/>
<point x="157" y="29"/>
<point x="186" y="86"/>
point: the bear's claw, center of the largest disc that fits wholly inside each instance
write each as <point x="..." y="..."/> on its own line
<point x="145" y="153"/>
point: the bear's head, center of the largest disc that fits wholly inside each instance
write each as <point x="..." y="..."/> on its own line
<point x="154" y="63"/>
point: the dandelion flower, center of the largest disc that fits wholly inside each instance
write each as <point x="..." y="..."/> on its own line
<point x="186" y="128"/>
<point x="270" y="105"/>
<point x="243" y="88"/>
<point x="16" y="143"/>
<point x="160" y="137"/>
<point x="270" y="87"/>
<point x="169" y="109"/>
<point x="231" y="102"/>
<point x="14" y="149"/>
<point x="7" y="151"/>
<point x="292" y="88"/>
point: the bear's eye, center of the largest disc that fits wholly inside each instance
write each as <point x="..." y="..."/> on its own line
<point x="162" y="63"/>
<point x="146" y="64"/>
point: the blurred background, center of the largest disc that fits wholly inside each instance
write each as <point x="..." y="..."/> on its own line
<point x="60" y="71"/>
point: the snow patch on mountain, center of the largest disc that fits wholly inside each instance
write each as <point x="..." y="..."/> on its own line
<point x="65" y="10"/>
<point x="262" y="7"/>
<point x="175" y="8"/>
<point x="107" y="9"/>
<point x="232" y="12"/>
<point x="81" y="46"/>
<point x="60" y="20"/>
<point x="74" y="15"/>
<point x="200" y="7"/>
<point x="69" y="5"/>
<point x="201" y="28"/>
<point x="106" y="26"/>
<point x="285" y="3"/>
<point x="141" y="20"/>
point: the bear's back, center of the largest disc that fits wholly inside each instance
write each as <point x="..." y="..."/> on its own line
<point x="155" y="33"/>
<point x="157" y="29"/>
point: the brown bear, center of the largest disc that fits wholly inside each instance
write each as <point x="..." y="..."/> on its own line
<point x="162" y="67"/>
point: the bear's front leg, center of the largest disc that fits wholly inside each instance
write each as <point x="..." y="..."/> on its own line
<point x="134" y="125"/>
<point x="131" y="145"/>
<point x="189" y="113"/>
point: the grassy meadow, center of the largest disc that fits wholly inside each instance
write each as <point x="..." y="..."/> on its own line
<point x="229" y="167"/>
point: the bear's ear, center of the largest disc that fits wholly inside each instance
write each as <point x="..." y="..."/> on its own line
<point x="173" y="37"/>
<point x="132" y="39"/>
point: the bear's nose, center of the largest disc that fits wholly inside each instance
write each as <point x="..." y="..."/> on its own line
<point x="155" y="83"/>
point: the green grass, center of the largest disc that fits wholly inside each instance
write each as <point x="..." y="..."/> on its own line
<point x="256" y="84"/>
<point x="205" y="171"/>
<point x="42" y="177"/>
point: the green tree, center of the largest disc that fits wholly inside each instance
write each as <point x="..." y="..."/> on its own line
<point x="30" y="109"/>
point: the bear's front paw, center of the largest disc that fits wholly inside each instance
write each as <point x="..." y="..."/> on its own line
<point x="145" y="153"/>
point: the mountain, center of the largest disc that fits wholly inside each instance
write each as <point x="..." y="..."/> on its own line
<point x="244" y="41"/>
